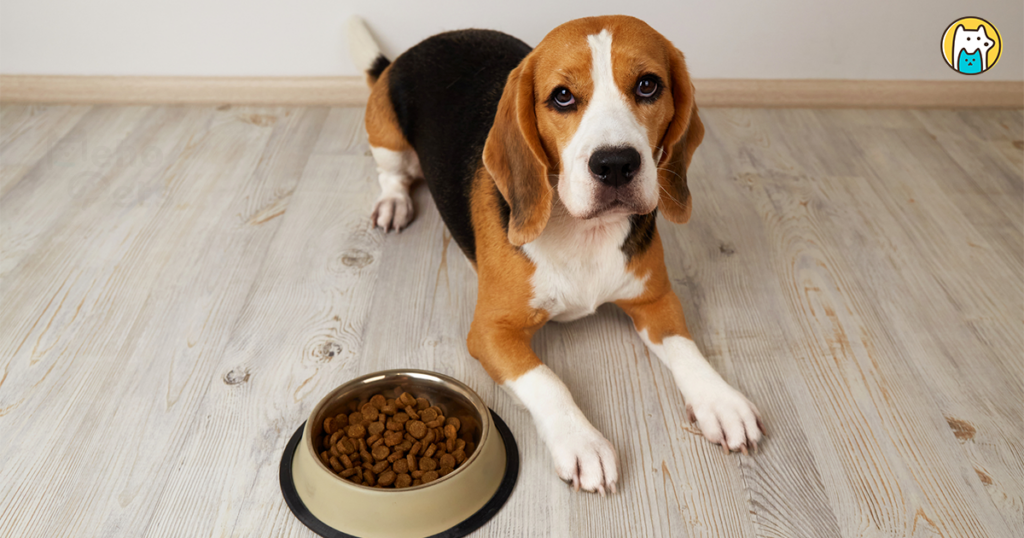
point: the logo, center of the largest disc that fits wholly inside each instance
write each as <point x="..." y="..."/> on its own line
<point x="971" y="46"/>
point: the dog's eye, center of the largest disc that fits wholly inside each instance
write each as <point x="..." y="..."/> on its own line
<point x="647" y="88"/>
<point x="563" y="97"/>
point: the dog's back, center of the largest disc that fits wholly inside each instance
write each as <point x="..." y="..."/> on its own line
<point x="444" y="93"/>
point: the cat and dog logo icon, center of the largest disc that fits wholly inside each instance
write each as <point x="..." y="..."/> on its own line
<point x="971" y="45"/>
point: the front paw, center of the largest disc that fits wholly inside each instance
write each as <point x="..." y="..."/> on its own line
<point x="726" y="417"/>
<point x="584" y="459"/>
<point x="393" y="211"/>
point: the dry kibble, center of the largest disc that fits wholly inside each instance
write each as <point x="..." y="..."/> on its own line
<point x="369" y="411"/>
<point x="387" y="478"/>
<point x="428" y="414"/>
<point x="416" y="428"/>
<point x="393" y="443"/>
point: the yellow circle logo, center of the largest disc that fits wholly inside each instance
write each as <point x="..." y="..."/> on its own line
<point x="971" y="46"/>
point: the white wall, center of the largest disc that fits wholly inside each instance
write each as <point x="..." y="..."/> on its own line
<point x="857" y="39"/>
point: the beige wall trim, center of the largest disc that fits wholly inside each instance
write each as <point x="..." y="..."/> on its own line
<point x="340" y="91"/>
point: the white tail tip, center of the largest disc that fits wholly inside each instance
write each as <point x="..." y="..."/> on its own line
<point x="361" y="45"/>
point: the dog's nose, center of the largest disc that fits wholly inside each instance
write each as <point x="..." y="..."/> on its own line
<point x="615" y="167"/>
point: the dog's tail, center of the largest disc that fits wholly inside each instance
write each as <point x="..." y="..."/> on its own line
<point x="365" y="51"/>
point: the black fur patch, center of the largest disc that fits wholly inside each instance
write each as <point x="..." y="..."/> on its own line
<point x="380" y="63"/>
<point x="445" y="92"/>
<point x="641" y="233"/>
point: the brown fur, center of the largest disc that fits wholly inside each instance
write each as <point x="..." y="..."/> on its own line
<point x="504" y="322"/>
<point x="657" y="310"/>
<point x="381" y="122"/>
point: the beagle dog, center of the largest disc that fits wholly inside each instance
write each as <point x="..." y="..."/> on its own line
<point x="548" y="167"/>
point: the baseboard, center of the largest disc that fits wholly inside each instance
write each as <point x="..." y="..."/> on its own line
<point x="345" y="91"/>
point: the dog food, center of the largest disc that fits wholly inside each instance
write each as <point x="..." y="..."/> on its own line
<point x="394" y="443"/>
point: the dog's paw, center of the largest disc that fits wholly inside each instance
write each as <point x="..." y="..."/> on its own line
<point x="584" y="459"/>
<point x="726" y="418"/>
<point x="393" y="211"/>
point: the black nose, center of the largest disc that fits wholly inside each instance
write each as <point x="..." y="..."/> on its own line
<point x="615" y="167"/>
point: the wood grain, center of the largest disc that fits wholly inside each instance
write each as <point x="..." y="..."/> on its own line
<point x="181" y="284"/>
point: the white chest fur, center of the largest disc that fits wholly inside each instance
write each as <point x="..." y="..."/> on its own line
<point x="580" y="265"/>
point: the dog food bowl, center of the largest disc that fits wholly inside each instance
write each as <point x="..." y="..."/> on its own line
<point x="451" y="506"/>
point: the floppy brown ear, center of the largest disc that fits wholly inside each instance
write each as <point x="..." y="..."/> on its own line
<point x="515" y="158"/>
<point x="682" y="137"/>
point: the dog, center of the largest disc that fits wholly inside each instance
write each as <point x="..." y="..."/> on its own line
<point x="548" y="167"/>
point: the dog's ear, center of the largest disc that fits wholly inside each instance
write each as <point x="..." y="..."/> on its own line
<point x="681" y="139"/>
<point x="515" y="158"/>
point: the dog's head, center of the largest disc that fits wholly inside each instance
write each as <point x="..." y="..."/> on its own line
<point x="601" y="112"/>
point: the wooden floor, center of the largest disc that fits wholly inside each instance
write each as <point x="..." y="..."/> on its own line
<point x="180" y="285"/>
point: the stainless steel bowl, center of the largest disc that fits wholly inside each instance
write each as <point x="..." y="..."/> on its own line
<point x="408" y="512"/>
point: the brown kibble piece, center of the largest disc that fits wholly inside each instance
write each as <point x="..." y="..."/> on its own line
<point x="460" y="456"/>
<point x="430" y="451"/>
<point x="422" y="403"/>
<point x="355" y="418"/>
<point x="392" y="438"/>
<point x="356" y="431"/>
<point x="412" y="412"/>
<point x="403" y="480"/>
<point x="404" y="445"/>
<point x="329" y="425"/>
<point x="429" y="437"/>
<point x="450" y="431"/>
<point x="428" y="414"/>
<point x="378" y="401"/>
<point x="417" y="474"/>
<point x="460" y="444"/>
<point x="387" y="478"/>
<point x="407" y="399"/>
<point x="325" y="457"/>
<point x="365" y="457"/>
<point x="417" y="447"/>
<point x="452" y="421"/>
<point x="369" y="411"/>
<point x="369" y="478"/>
<point x="348" y="472"/>
<point x="436" y="423"/>
<point x="427" y="464"/>
<point x="396" y="455"/>
<point x="381" y="452"/>
<point x="417" y="429"/>
<point x="412" y="461"/>
<point x="336" y="465"/>
<point x="449" y="445"/>
<point x="341" y="421"/>
<point x="373" y="439"/>
<point x="401" y="418"/>
<point x="346" y="461"/>
<point x="375" y="428"/>
<point x="335" y="436"/>
<point x="417" y="482"/>
<point x="470" y="445"/>
<point x="394" y="425"/>
<point x="334" y="451"/>
<point x="390" y="408"/>
<point x="346" y="446"/>
<point x="401" y="466"/>
<point x="447" y="461"/>
<point x="380" y="467"/>
<point x="444" y="471"/>
<point x="429" y="477"/>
